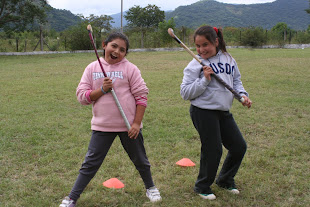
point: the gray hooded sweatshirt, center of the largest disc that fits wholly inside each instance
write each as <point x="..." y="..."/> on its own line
<point x="212" y="95"/>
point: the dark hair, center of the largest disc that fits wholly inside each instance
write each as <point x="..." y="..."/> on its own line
<point x="117" y="35"/>
<point x="211" y="34"/>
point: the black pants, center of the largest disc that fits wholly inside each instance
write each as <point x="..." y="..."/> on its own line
<point x="216" y="128"/>
<point x="98" y="148"/>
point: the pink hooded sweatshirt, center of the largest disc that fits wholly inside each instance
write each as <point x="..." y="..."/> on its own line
<point x="128" y="85"/>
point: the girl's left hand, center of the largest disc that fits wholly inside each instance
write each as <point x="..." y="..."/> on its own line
<point x="247" y="102"/>
<point x="207" y="71"/>
<point x="134" y="131"/>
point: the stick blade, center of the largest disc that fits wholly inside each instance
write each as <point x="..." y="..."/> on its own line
<point x="89" y="28"/>
<point x="171" y="33"/>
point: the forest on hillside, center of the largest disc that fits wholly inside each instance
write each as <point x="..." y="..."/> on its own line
<point x="259" y="15"/>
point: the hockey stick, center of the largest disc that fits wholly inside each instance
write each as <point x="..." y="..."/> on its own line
<point x="105" y="75"/>
<point x="237" y="96"/>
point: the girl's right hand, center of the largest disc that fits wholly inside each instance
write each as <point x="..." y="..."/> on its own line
<point x="247" y="102"/>
<point x="207" y="71"/>
<point x="107" y="84"/>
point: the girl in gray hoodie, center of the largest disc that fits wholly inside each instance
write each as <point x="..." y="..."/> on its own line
<point x="209" y="111"/>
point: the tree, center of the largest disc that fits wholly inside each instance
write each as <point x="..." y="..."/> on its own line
<point x="144" y="18"/>
<point x="99" y="25"/>
<point x="77" y="36"/>
<point x="253" y="36"/>
<point x="232" y="35"/>
<point x="308" y="10"/>
<point x="280" y="27"/>
<point x="103" y="23"/>
<point x="15" y="15"/>
<point x="163" y="28"/>
<point x="280" y="32"/>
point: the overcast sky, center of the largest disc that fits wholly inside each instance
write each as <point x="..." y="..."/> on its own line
<point x="108" y="7"/>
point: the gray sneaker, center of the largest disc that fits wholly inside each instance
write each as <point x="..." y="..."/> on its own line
<point x="153" y="194"/>
<point x="67" y="202"/>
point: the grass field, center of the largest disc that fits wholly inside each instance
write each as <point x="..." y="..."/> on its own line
<point x="45" y="132"/>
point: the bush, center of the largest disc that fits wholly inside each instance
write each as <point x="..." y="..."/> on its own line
<point x="302" y="38"/>
<point x="253" y="36"/>
<point x="232" y="35"/>
<point x="77" y="37"/>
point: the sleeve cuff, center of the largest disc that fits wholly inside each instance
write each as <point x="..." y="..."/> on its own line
<point x="141" y="100"/>
<point x="244" y="94"/>
<point x="87" y="95"/>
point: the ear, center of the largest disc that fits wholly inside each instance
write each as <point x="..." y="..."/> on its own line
<point x="103" y="46"/>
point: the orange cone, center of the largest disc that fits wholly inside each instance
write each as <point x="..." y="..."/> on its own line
<point x="185" y="162"/>
<point x="113" y="183"/>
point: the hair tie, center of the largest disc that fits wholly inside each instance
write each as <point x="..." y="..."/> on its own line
<point x="216" y="30"/>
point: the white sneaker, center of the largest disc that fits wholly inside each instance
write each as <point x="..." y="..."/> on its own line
<point x="153" y="194"/>
<point x="207" y="196"/>
<point x="67" y="202"/>
<point x="234" y="191"/>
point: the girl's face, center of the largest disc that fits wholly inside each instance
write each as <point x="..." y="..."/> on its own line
<point x="204" y="47"/>
<point x="115" y="51"/>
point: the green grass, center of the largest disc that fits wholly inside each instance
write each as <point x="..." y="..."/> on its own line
<point x="45" y="132"/>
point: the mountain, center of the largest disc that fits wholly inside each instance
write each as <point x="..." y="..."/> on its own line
<point x="211" y="12"/>
<point x="265" y="15"/>
<point x="117" y="20"/>
<point x="61" y="19"/>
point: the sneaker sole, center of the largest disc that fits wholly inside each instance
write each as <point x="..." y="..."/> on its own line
<point x="208" y="197"/>
<point x="234" y="191"/>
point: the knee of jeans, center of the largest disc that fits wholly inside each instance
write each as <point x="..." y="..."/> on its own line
<point x="89" y="169"/>
<point x="241" y="149"/>
<point x="92" y="161"/>
<point x="244" y="147"/>
<point x="89" y="155"/>
<point x="142" y="166"/>
<point x="219" y="149"/>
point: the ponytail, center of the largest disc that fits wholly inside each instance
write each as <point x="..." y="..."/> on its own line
<point x="211" y="33"/>
<point x="222" y="44"/>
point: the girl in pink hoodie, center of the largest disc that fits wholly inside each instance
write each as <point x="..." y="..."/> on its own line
<point x="107" y="122"/>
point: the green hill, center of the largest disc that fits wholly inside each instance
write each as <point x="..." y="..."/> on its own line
<point x="61" y="19"/>
<point x="267" y="15"/>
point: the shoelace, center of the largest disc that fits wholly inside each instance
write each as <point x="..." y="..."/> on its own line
<point x="154" y="192"/>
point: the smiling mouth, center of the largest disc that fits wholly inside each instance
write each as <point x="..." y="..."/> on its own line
<point x="113" y="57"/>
